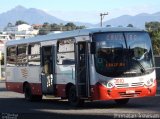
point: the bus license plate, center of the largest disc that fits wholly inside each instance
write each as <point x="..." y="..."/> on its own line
<point x="130" y="91"/>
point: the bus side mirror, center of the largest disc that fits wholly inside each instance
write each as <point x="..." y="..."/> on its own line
<point x="93" y="48"/>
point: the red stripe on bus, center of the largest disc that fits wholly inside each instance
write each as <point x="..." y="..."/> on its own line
<point x="60" y="90"/>
<point x="18" y="87"/>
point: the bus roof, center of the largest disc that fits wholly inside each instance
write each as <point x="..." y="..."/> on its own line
<point x="74" y="33"/>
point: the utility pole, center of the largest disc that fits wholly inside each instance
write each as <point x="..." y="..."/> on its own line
<point x="102" y="17"/>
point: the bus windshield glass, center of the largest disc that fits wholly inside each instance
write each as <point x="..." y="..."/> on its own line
<point x="123" y="54"/>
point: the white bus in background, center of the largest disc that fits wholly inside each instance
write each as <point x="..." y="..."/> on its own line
<point x="88" y="64"/>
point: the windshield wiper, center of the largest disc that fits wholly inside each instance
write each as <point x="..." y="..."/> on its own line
<point x="142" y="69"/>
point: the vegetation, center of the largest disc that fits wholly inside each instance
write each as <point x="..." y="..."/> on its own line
<point x="154" y="30"/>
<point x="10" y="24"/>
<point x="19" y="22"/>
<point x="152" y="26"/>
<point x="130" y="25"/>
<point x="47" y="28"/>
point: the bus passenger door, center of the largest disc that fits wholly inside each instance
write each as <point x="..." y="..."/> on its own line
<point x="48" y="69"/>
<point x="82" y="70"/>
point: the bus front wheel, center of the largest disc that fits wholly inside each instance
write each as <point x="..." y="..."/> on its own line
<point x="72" y="97"/>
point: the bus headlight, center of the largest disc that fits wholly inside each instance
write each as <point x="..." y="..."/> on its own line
<point x="149" y="82"/>
<point x="110" y="85"/>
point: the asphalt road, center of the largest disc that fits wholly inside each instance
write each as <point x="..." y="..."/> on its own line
<point x="13" y="106"/>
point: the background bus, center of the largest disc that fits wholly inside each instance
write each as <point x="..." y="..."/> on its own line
<point x="89" y="64"/>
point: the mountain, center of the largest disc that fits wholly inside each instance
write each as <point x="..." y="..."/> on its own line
<point x="36" y="16"/>
<point x="31" y="16"/>
<point x="137" y="20"/>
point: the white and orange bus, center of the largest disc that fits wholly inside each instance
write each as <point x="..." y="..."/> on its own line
<point x="88" y="64"/>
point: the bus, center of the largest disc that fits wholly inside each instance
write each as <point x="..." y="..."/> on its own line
<point x="112" y="63"/>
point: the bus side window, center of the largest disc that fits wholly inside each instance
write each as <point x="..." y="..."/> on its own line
<point x="11" y="56"/>
<point x="34" y="54"/>
<point x="66" y="52"/>
<point x="22" y="55"/>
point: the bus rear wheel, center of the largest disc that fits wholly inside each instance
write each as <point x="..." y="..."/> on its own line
<point x="28" y="93"/>
<point x="72" y="97"/>
<point x="122" y="101"/>
<point x="29" y="96"/>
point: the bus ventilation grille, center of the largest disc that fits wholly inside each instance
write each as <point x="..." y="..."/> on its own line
<point x="125" y="85"/>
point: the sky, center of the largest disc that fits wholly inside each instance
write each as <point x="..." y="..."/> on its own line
<point x="86" y="10"/>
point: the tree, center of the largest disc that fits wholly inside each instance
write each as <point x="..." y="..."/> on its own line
<point x="130" y="25"/>
<point x="108" y="25"/>
<point x="55" y="27"/>
<point x="19" y="22"/>
<point x="70" y="26"/>
<point x="155" y="36"/>
<point x="46" y="28"/>
<point x="46" y="24"/>
<point x="9" y="24"/>
<point x="81" y="27"/>
<point x="152" y="26"/>
<point x="154" y="32"/>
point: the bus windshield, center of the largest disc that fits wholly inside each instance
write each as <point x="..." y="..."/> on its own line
<point x="123" y="54"/>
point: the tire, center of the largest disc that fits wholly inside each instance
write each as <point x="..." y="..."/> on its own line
<point x="28" y="93"/>
<point x="29" y="96"/>
<point x="122" y="101"/>
<point x="73" y="99"/>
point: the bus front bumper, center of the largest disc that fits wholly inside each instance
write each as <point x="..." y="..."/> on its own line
<point x="101" y="92"/>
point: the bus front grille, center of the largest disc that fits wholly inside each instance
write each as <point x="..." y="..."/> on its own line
<point x="137" y="84"/>
<point x="126" y="85"/>
<point x="124" y="94"/>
